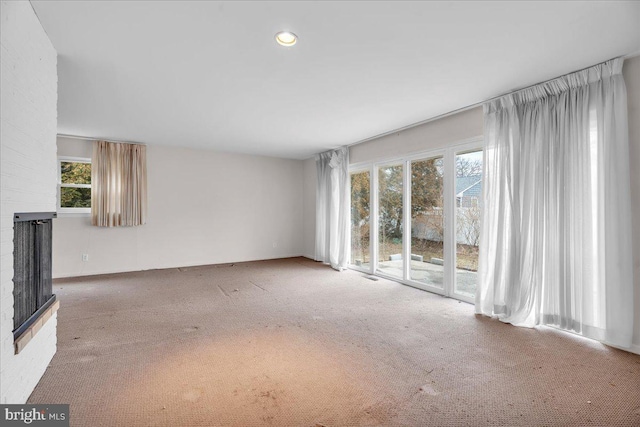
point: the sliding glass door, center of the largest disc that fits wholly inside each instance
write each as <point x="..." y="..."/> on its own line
<point x="427" y="260"/>
<point x="417" y="219"/>
<point x="390" y="220"/>
<point x="468" y="189"/>
<point x="360" y="217"/>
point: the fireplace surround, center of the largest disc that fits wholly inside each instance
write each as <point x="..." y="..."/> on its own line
<point x="33" y="299"/>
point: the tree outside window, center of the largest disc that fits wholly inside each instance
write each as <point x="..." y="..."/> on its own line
<point x="74" y="185"/>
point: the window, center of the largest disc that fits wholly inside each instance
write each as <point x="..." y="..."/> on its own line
<point x="427" y="221"/>
<point x="360" y="227"/>
<point x="416" y="219"/>
<point x="390" y="220"/>
<point x="468" y="189"/>
<point x="74" y="185"/>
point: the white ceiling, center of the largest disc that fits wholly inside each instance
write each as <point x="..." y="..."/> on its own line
<point x="210" y="75"/>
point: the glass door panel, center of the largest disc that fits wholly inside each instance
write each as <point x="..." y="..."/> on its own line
<point x="360" y="209"/>
<point x="427" y="222"/>
<point x="468" y="193"/>
<point x="390" y="227"/>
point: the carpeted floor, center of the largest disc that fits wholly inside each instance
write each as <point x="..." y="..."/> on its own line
<point x="294" y="343"/>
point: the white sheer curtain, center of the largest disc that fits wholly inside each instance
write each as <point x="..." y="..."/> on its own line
<point x="332" y="208"/>
<point x="556" y="236"/>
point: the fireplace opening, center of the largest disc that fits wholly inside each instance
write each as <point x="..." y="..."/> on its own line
<point x="33" y="298"/>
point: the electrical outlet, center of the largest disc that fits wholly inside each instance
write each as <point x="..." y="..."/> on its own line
<point x="85" y="257"/>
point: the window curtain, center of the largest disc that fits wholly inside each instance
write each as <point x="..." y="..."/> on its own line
<point x="556" y="235"/>
<point x="332" y="208"/>
<point x="118" y="184"/>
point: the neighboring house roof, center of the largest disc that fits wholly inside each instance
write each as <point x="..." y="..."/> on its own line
<point x="469" y="186"/>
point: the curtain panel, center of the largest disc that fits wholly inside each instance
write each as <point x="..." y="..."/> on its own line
<point x="556" y="243"/>
<point x="118" y="184"/>
<point x="332" y="208"/>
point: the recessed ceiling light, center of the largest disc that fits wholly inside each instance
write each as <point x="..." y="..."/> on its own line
<point x="286" y="38"/>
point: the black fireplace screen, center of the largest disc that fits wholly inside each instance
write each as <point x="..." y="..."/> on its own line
<point x="32" y="283"/>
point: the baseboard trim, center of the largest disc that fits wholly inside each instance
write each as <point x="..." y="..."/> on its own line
<point x="103" y="272"/>
<point x="634" y="348"/>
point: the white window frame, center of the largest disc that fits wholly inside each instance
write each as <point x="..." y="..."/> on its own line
<point x="448" y="153"/>
<point x="71" y="211"/>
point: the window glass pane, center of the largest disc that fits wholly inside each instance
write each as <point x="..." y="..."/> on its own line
<point x="75" y="173"/>
<point x="75" y="197"/>
<point x="427" y="222"/>
<point x="360" y="185"/>
<point x="468" y="207"/>
<point x="390" y="220"/>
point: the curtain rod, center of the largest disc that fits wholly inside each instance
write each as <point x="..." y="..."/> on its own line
<point x="477" y="104"/>
<point x="87" y="138"/>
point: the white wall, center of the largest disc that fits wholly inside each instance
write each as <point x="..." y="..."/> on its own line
<point x="28" y="180"/>
<point x="205" y="207"/>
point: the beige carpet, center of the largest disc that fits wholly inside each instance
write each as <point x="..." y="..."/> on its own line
<point x="294" y="343"/>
